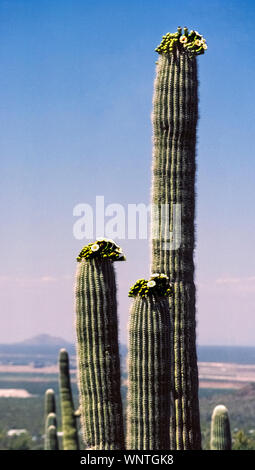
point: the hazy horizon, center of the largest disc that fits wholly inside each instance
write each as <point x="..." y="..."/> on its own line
<point x="76" y="97"/>
<point x="65" y="340"/>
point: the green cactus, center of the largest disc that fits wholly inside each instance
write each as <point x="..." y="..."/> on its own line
<point x="51" y="420"/>
<point x="148" y="416"/>
<point x="69" y="426"/>
<point x="220" y="429"/>
<point x="49" y="408"/>
<point x="97" y="346"/>
<point x="175" y="114"/>
<point x="49" y="403"/>
<point x="52" y="438"/>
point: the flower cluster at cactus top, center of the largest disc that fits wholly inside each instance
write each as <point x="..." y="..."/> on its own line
<point x="103" y="248"/>
<point x="185" y="40"/>
<point x="158" y="286"/>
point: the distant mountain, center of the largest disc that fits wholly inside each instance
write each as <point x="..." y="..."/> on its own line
<point x="41" y="347"/>
<point x="45" y="340"/>
<point x="38" y="345"/>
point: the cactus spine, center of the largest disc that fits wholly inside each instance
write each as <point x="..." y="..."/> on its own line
<point x="220" y="429"/>
<point x="98" y="354"/>
<point x="149" y="374"/>
<point x="52" y="438"/>
<point x="69" y="427"/>
<point x="175" y="114"/>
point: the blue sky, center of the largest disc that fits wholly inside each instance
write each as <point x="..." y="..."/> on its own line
<point x="76" y="88"/>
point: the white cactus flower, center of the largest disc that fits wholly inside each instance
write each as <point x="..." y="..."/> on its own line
<point x="95" y="247"/>
<point x="151" y="284"/>
<point x="183" y="39"/>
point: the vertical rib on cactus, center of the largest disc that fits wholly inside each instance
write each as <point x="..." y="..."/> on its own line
<point x="52" y="438"/>
<point x="69" y="427"/>
<point x="175" y="114"/>
<point x="148" y="415"/>
<point x="220" y="429"/>
<point x="98" y="349"/>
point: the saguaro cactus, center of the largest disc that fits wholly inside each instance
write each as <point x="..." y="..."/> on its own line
<point x="148" y="416"/>
<point x="51" y="441"/>
<point x="220" y="429"/>
<point x="97" y="346"/>
<point x="175" y="113"/>
<point x="49" y="408"/>
<point x="51" y="420"/>
<point x="49" y="402"/>
<point x="52" y="438"/>
<point x="69" y="426"/>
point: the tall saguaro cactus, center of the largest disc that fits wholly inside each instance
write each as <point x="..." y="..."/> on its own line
<point x="97" y="346"/>
<point x="148" y="416"/>
<point x="69" y="426"/>
<point x="220" y="429"/>
<point x="175" y="114"/>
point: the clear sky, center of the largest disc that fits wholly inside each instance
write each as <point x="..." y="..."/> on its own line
<point x="76" y="88"/>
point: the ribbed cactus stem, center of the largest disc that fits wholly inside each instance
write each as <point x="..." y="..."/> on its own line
<point x="69" y="427"/>
<point x="52" y="438"/>
<point x="175" y="114"/>
<point x="220" y="429"/>
<point x="149" y="374"/>
<point x="98" y="355"/>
